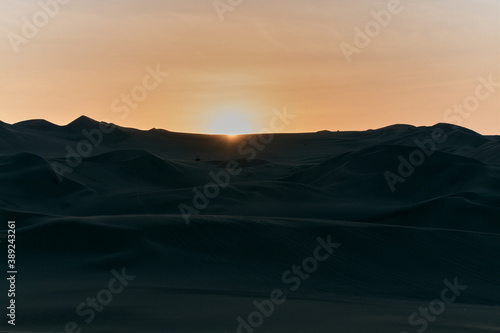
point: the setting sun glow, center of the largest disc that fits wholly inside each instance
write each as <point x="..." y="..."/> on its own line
<point x="231" y="123"/>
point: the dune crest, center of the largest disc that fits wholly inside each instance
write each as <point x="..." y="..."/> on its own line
<point x="96" y="202"/>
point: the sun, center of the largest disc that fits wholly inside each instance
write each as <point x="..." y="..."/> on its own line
<point x="231" y="123"/>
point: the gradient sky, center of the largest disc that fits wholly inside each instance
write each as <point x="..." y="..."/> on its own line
<point x="264" y="55"/>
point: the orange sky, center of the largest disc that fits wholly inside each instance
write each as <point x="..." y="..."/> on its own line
<point x="264" y="55"/>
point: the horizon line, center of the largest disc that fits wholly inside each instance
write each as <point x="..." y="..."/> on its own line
<point x="84" y="117"/>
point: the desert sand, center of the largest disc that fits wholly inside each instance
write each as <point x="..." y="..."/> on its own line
<point x="118" y="207"/>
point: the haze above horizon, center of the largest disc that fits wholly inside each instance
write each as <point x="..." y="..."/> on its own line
<point x="203" y="67"/>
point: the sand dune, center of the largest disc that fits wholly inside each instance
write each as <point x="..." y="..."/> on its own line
<point x="118" y="206"/>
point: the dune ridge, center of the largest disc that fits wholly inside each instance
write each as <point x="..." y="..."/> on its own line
<point x="119" y="207"/>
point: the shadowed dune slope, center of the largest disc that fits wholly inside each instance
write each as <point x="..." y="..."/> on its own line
<point x="88" y="200"/>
